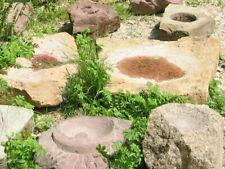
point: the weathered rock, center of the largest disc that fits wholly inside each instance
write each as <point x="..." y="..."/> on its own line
<point x="151" y="6"/>
<point x="41" y="87"/>
<point x="14" y="120"/>
<point x="21" y="13"/>
<point x="60" y="46"/>
<point x="21" y="118"/>
<point x="72" y="143"/>
<point x="100" y="19"/>
<point x="184" y="136"/>
<point x="179" y="21"/>
<point x="196" y="57"/>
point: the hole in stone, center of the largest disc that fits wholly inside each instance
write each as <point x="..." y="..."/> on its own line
<point x="184" y="17"/>
<point x="44" y="61"/>
<point x="157" y="68"/>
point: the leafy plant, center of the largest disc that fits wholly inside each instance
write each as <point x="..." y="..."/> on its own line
<point x="91" y="79"/>
<point x="216" y="98"/>
<point x="3" y="86"/>
<point x="21" y="102"/>
<point x="16" y="47"/>
<point x="122" y="8"/>
<point x="222" y="61"/>
<point x="43" y="124"/>
<point x="20" y="152"/>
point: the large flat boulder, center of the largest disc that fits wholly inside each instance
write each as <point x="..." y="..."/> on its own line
<point x="151" y="6"/>
<point x="184" y="136"/>
<point x="13" y="120"/>
<point x="60" y="46"/>
<point x="184" y="67"/>
<point x="41" y="87"/>
<point x="42" y="79"/>
<point x="100" y="19"/>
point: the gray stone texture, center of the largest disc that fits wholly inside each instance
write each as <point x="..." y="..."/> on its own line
<point x="72" y="143"/>
<point x="100" y="19"/>
<point x="13" y="120"/>
<point x="179" y="21"/>
<point x="184" y="136"/>
<point x="151" y="6"/>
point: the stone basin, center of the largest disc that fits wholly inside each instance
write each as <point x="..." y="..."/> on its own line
<point x="72" y="143"/>
<point x="184" y="67"/>
<point x="84" y="135"/>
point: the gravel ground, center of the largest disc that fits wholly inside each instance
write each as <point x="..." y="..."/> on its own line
<point x="143" y="27"/>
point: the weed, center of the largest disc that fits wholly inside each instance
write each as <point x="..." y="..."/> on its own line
<point x="222" y="61"/>
<point x="3" y="86"/>
<point x="221" y="3"/>
<point x="16" y="47"/>
<point x="43" y="124"/>
<point x="216" y="98"/>
<point x="20" y="152"/>
<point x="21" y="102"/>
<point x="122" y="8"/>
<point x="83" y="87"/>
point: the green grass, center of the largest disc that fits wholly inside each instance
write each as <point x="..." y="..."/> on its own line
<point x="20" y="152"/>
<point x="216" y="98"/>
<point x="122" y="8"/>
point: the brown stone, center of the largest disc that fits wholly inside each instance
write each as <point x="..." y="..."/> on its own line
<point x="72" y="143"/>
<point x="100" y="19"/>
<point x="21" y="13"/>
<point x="197" y="57"/>
<point x="151" y="6"/>
<point x="184" y="136"/>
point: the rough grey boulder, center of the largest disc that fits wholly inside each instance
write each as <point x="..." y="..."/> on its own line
<point x="151" y="6"/>
<point x="184" y="136"/>
<point x="21" y="13"/>
<point x="72" y="143"/>
<point x="100" y="19"/>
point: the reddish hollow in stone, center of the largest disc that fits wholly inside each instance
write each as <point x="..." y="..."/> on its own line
<point x="156" y="68"/>
<point x="72" y="143"/>
<point x="44" y="61"/>
<point x="100" y="19"/>
<point x="151" y="6"/>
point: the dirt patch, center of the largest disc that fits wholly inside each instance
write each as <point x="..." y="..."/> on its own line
<point x="155" y="68"/>
<point x="44" y="61"/>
